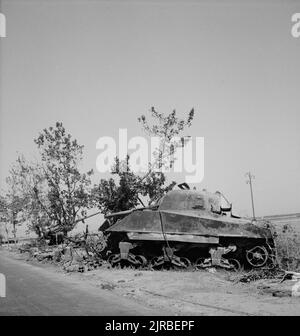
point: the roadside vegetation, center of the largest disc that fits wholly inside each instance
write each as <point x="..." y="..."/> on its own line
<point x="51" y="195"/>
<point x="287" y="241"/>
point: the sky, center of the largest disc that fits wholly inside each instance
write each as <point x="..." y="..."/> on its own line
<point x="98" y="65"/>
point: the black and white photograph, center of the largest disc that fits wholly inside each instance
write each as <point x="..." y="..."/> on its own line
<point x="149" y="161"/>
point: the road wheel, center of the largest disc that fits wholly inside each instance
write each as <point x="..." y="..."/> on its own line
<point x="137" y="260"/>
<point x="114" y="259"/>
<point x="257" y="256"/>
<point x="157" y="263"/>
<point x="180" y="263"/>
<point x="235" y="264"/>
<point x="202" y="263"/>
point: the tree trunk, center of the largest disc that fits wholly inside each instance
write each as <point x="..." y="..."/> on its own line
<point x="7" y="236"/>
<point x="15" y="234"/>
<point x="38" y="231"/>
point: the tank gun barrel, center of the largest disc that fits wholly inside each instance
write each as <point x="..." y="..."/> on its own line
<point x="126" y="212"/>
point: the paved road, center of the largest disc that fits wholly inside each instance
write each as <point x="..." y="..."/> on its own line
<point x="32" y="290"/>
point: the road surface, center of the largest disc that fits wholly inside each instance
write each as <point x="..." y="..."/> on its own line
<point x="32" y="290"/>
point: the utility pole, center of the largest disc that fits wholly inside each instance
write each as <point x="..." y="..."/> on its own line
<point x="249" y="181"/>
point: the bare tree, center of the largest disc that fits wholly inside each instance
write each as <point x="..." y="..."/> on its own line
<point x="168" y="129"/>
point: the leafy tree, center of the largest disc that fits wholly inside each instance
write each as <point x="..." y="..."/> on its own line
<point x="125" y="191"/>
<point x="68" y="188"/>
<point x="15" y="203"/>
<point x="114" y="196"/>
<point x="32" y="184"/>
<point x="154" y="186"/>
<point x="4" y="217"/>
<point x="111" y="196"/>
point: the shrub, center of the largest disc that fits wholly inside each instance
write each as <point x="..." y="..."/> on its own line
<point x="287" y="241"/>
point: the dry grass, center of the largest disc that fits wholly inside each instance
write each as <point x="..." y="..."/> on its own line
<point x="287" y="241"/>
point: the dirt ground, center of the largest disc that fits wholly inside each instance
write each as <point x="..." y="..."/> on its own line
<point x="186" y="293"/>
<point x="194" y="293"/>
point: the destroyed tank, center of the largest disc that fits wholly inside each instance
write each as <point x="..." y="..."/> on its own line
<point x="187" y="228"/>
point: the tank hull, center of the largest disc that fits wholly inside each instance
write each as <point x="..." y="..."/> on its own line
<point x="191" y="231"/>
<point x="181" y="224"/>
